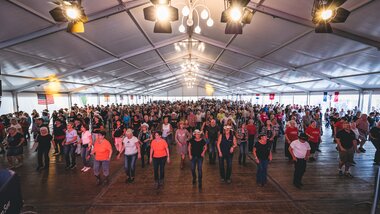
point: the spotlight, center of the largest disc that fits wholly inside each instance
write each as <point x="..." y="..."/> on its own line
<point x="72" y="12"/>
<point x="235" y="15"/>
<point x="162" y="14"/>
<point x="325" y="12"/>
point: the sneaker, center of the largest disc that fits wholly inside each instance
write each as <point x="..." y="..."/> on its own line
<point x="222" y="180"/>
<point x="67" y="167"/>
<point x="228" y="181"/>
<point x="131" y="180"/>
<point x="83" y="169"/>
<point x="73" y="166"/>
<point x="86" y="169"/>
<point x="340" y="173"/>
<point x="318" y="150"/>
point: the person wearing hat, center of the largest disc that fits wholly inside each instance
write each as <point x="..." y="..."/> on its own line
<point x="59" y="134"/>
<point x="182" y="136"/>
<point x="44" y="140"/>
<point x="300" y="151"/>
<point x="226" y="145"/>
<point x="262" y="155"/>
<point x="145" y="137"/>
<point x="14" y="144"/>
<point x="197" y="149"/>
<point x="212" y="134"/>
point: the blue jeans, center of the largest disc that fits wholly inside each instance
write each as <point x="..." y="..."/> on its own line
<point x="225" y="173"/>
<point x="243" y="152"/>
<point x="159" y="168"/>
<point x="194" y="162"/>
<point x="130" y="165"/>
<point x="262" y="169"/>
<point x="105" y="164"/>
<point x="212" y="150"/>
<point x="84" y="154"/>
<point x="70" y="155"/>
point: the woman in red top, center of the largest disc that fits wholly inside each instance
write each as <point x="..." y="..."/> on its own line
<point x="291" y="134"/>
<point x="251" y="128"/>
<point x="314" y="138"/>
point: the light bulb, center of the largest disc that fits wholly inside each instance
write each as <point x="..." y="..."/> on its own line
<point x="204" y="14"/>
<point x="162" y="13"/>
<point x="210" y="22"/>
<point x="72" y="13"/>
<point x="235" y="14"/>
<point x="197" y="29"/>
<point x="182" y="29"/>
<point x="326" y="14"/>
<point x="185" y="11"/>
<point x="189" y="22"/>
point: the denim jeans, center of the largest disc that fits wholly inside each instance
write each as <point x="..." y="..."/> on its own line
<point x="261" y="175"/>
<point x="212" y="150"/>
<point x="70" y="155"/>
<point x="159" y="168"/>
<point x="84" y="154"/>
<point x="243" y="152"/>
<point x="194" y="162"/>
<point x="225" y="173"/>
<point x="105" y="164"/>
<point x="130" y="165"/>
<point x="145" y="150"/>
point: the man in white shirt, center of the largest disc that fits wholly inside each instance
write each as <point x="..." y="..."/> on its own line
<point x="300" y="151"/>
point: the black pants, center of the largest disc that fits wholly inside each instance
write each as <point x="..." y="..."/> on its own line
<point x="251" y="142"/>
<point x="242" y="152"/>
<point x="274" y="143"/>
<point x="43" y="157"/>
<point x="376" y="144"/>
<point x="58" y="146"/>
<point x="145" y="150"/>
<point x="225" y="173"/>
<point x="287" y="153"/>
<point x="159" y="168"/>
<point x="212" y="151"/>
<point x="299" y="170"/>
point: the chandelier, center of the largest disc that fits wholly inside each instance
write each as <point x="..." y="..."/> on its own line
<point x="188" y="12"/>
<point x="190" y="69"/>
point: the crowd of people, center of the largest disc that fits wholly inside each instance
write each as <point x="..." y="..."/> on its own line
<point x="151" y="132"/>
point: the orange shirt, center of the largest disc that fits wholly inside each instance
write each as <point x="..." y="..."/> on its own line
<point x="102" y="150"/>
<point x="159" y="148"/>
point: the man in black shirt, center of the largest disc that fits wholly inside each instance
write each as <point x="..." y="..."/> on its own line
<point x="346" y="141"/>
<point x="212" y="134"/>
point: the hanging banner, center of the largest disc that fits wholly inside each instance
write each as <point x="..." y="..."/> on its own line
<point x="139" y="97"/>
<point x="121" y="97"/>
<point x="257" y="96"/>
<point x="271" y="96"/>
<point x="324" y="96"/>
<point x="45" y="99"/>
<point x="336" y="96"/>
<point x="106" y="98"/>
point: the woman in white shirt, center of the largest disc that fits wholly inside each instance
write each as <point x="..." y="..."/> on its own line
<point x="131" y="148"/>
<point x="70" y="146"/>
<point x="86" y="142"/>
<point x="167" y="131"/>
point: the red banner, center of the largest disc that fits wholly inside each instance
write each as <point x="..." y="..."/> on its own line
<point x="106" y="98"/>
<point x="45" y="99"/>
<point x="336" y="96"/>
<point x="271" y="96"/>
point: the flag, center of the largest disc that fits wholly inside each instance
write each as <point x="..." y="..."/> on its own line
<point x="271" y="96"/>
<point x="45" y="99"/>
<point x="336" y="96"/>
<point x="121" y="97"/>
<point x="324" y="96"/>
<point x="83" y="98"/>
<point x="257" y="96"/>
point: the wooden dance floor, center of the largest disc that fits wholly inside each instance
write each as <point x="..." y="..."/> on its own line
<point x="59" y="191"/>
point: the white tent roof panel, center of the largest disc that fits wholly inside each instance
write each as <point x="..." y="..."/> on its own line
<point x="234" y="59"/>
<point x="147" y="58"/>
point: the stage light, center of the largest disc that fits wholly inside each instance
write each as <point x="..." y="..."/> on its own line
<point x="162" y="13"/>
<point x="72" y="13"/>
<point x="326" y="14"/>
<point x="235" y="14"/>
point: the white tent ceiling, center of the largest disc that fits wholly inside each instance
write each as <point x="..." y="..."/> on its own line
<point x="119" y="53"/>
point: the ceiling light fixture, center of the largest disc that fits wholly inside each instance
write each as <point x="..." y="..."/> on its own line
<point x="72" y="12"/>
<point x="190" y="69"/>
<point x="162" y="13"/>
<point x="188" y="12"/>
<point x="325" y="12"/>
<point x="236" y="14"/>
